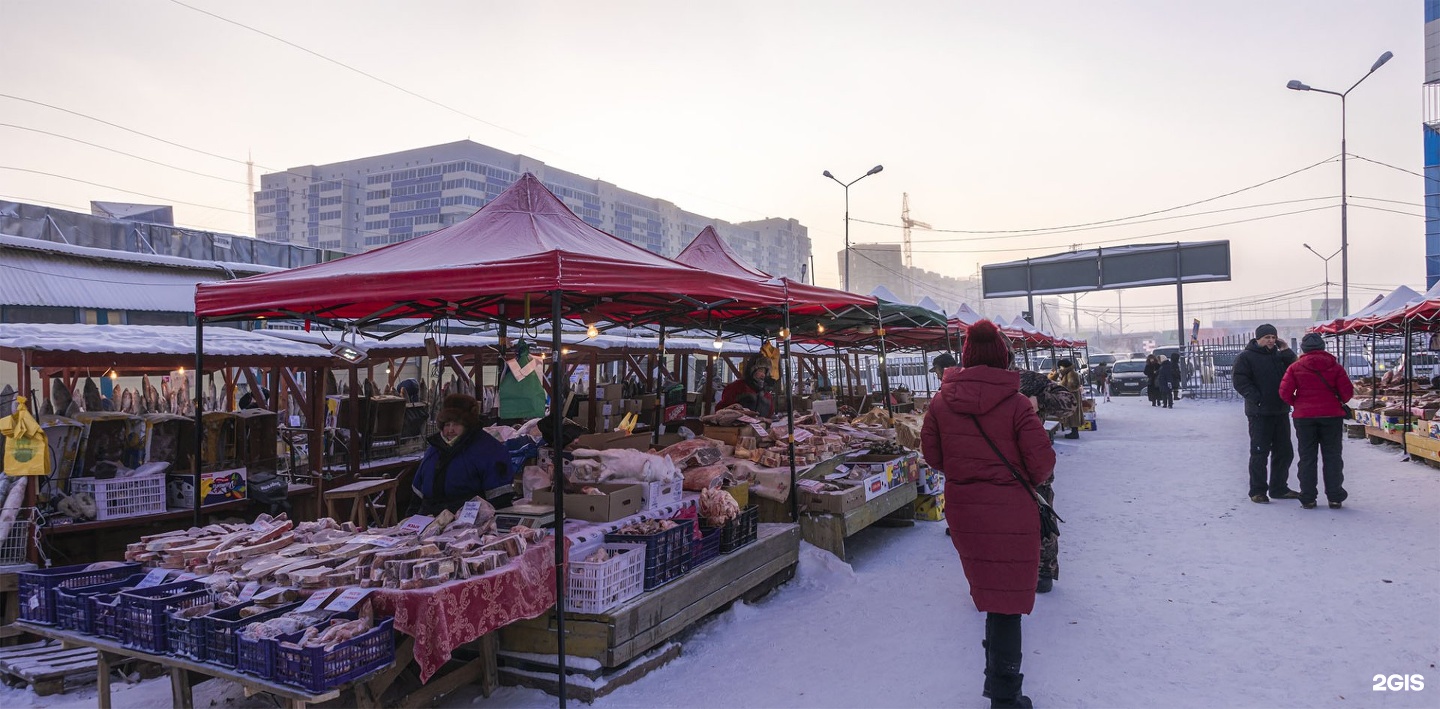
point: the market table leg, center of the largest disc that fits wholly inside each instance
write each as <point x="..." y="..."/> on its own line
<point x="102" y="678"/>
<point x="489" y="646"/>
<point x="404" y="655"/>
<point x="180" y="695"/>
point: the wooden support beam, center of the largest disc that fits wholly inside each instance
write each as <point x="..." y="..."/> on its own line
<point x="303" y="399"/>
<point x="256" y="392"/>
<point x="453" y="363"/>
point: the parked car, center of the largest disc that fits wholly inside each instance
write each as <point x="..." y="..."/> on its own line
<point x="1357" y="365"/>
<point x="1128" y="377"/>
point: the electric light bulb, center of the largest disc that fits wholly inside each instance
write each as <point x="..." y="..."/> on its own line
<point x="592" y="331"/>
<point x="784" y="333"/>
<point x="820" y="327"/>
<point x="718" y="343"/>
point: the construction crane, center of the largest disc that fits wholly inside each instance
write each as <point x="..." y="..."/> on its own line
<point x="908" y="222"/>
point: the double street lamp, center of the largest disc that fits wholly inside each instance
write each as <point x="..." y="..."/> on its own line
<point x="1344" y="198"/>
<point x="846" y="185"/>
<point x="1326" y="259"/>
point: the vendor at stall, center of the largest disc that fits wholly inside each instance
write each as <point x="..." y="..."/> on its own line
<point x="463" y="461"/>
<point x="754" y="391"/>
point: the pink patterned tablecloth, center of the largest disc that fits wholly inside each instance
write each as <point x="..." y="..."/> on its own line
<point x="442" y="618"/>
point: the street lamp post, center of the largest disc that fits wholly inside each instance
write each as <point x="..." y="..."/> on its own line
<point x="1326" y="259"/>
<point x="1344" y="198"/>
<point x="846" y="185"/>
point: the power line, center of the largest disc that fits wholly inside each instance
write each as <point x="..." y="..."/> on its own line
<point x="1117" y="219"/>
<point x="1392" y="211"/>
<point x="1392" y="201"/>
<point x="121" y="152"/>
<point x="361" y="72"/>
<point x="1392" y="167"/>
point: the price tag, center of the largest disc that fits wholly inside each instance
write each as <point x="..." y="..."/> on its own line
<point x="347" y="600"/>
<point x="802" y="435"/>
<point x="34" y="602"/>
<point x="469" y="512"/>
<point x="249" y="591"/>
<point x="269" y="593"/>
<point x="154" y="578"/>
<point x="607" y="410"/>
<point x="759" y="430"/>
<point x="416" y="524"/>
<point x="749" y="419"/>
<point x="316" y="600"/>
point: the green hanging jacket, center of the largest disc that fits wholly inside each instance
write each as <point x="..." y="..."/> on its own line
<point x="521" y="388"/>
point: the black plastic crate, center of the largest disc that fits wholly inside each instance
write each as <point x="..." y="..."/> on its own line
<point x="667" y="553"/>
<point x="103" y="615"/>
<point x="224" y="627"/>
<point x="740" y="531"/>
<point x="257" y="657"/>
<point x="72" y="610"/>
<point x="143" y="612"/>
<point x="37" y="588"/>
<point x="707" y="547"/>
<point x="319" y="669"/>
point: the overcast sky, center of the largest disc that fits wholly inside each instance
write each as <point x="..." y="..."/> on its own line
<point x="991" y="115"/>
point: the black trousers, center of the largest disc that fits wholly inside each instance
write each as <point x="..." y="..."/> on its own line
<point x="1321" y="438"/>
<point x="1270" y="443"/>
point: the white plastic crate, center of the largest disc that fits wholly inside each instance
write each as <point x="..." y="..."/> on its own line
<point x="123" y="497"/>
<point x="21" y="529"/>
<point x="598" y="586"/>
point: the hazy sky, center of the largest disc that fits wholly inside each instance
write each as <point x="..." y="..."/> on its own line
<point x="991" y="115"/>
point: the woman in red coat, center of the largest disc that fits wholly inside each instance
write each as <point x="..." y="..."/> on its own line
<point x="994" y="522"/>
<point x="1316" y="385"/>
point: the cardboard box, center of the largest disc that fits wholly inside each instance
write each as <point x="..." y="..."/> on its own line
<point x="660" y="494"/>
<point x="930" y="508"/>
<point x="630" y="406"/>
<point x="601" y="409"/>
<point x="726" y="434"/>
<point x="835" y="503"/>
<point x="932" y="481"/>
<point x="1089" y="424"/>
<point x="897" y="470"/>
<point x="610" y="392"/>
<point x="824" y="407"/>
<point x="647" y="401"/>
<point x="219" y="486"/>
<point x="619" y="439"/>
<point x="619" y="501"/>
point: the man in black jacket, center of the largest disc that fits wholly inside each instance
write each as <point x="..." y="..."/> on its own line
<point x="1257" y="375"/>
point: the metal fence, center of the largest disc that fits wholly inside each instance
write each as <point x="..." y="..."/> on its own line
<point x="1206" y="366"/>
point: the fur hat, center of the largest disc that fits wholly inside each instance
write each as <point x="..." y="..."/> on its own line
<point x="1266" y="329"/>
<point x="462" y="408"/>
<point x="984" y="345"/>
<point x="1312" y="342"/>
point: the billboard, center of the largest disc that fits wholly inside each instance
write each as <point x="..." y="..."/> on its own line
<point x="1109" y="268"/>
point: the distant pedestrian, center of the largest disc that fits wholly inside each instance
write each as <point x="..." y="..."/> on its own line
<point x="1167" y="376"/>
<point x="993" y="517"/>
<point x="1101" y="375"/>
<point x="1152" y="372"/>
<point x="1316" y="385"/>
<point x="1257" y="374"/>
<point x="1065" y="376"/>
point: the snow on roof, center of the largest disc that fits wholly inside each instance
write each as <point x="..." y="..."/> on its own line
<point x="930" y="304"/>
<point x="21" y="242"/>
<point x="150" y="339"/>
<point x="407" y="341"/>
<point x="884" y="293"/>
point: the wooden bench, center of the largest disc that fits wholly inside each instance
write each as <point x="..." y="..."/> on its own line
<point x="632" y="629"/>
<point x="829" y="531"/>
<point x="372" y="502"/>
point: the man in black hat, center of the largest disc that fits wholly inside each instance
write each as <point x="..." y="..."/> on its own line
<point x="1257" y="374"/>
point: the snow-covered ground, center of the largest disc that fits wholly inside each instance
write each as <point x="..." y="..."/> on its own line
<point x="1175" y="591"/>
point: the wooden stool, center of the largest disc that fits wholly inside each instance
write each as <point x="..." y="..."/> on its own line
<point x="369" y="504"/>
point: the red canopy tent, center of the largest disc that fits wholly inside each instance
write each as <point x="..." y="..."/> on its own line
<point x="522" y="259"/>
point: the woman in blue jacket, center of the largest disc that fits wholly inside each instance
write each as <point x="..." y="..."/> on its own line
<point x="463" y="461"/>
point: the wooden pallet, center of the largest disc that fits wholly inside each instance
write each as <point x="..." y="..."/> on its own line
<point x="47" y="666"/>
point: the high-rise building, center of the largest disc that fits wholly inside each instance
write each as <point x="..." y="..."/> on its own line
<point x="1432" y="142"/>
<point x="365" y="203"/>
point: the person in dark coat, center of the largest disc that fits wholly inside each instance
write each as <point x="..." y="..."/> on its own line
<point x="463" y="462"/>
<point x="994" y="521"/>
<point x="755" y="391"/>
<point x="1316" y="385"/>
<point x="1256" y="375"/>
<point x="1166" y="379"/>
<point x="1152" y="372"/>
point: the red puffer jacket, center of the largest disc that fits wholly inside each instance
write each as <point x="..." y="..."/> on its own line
<point x="994" y="522"/>
<point x="1315" y="385"/>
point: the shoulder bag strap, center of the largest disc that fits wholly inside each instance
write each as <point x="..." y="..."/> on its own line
<point x="1327" y="384"/>
<point x="1039" y="500"/>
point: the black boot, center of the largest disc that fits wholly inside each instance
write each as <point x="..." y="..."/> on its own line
<point x="1003" y="679"/>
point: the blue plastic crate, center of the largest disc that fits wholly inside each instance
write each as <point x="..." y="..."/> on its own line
<point x="257" y="657"/>
<point x="667" y="553"/>
<point x="143" y="611"/>
<point x="224" y="627"/>
<point x="72" y="611"/>
<point x="37" y="588"/>
<point x="185" y="637"/>
<point x="318" y="669"/>
<point x="103" y="614"/>
<point x="707" y="547"/>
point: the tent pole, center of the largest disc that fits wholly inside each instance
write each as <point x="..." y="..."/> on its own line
<point x="659" y="391"/>
<point x="199" y="414"/>
<point x="557" y="421"/>
<point x="790" y="414"/>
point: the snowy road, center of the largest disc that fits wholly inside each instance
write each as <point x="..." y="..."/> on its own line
<point x="1175" y="591"/>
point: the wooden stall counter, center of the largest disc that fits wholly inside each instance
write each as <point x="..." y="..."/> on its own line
<point x="829" y="531"/>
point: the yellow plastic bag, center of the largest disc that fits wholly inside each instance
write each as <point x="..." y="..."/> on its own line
<point x="26" y="450"/>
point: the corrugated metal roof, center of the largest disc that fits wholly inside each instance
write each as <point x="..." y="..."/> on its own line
<point x="226" y="267"/>
<point x="151" y="339"/>
<point x="48" y="278"/>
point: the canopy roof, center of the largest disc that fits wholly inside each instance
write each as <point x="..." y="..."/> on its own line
<point x="500" y="263"/>
<point x="148" y="347"/>
<point x="1381" y="313"/>
<point x="709" y="253"/>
